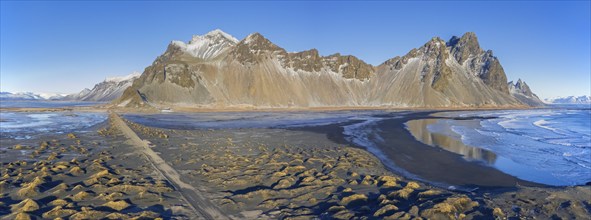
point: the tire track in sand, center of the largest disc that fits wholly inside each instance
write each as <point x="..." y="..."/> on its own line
<point x="198" y="202"/>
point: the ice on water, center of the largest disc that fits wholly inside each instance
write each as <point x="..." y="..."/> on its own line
<point x="550" y="146"/>
<point x="24" y="125"/>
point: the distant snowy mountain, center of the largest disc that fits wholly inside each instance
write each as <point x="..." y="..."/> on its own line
<point x="20" y="96"/>
<point x="109" y="89"/>
<point x="569" y="100"/>
<point x="52" y="96"/>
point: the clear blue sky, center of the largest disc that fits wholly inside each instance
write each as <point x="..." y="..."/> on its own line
<point x="67" y="46"/>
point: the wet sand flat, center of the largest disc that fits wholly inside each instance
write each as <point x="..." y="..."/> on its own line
<point x="436" y="164"/>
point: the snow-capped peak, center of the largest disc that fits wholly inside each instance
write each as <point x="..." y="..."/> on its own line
<point x="207" y="46"/>
<point x="118" y="79"/>
<point x="52" y="95"/>
<point x="218" y="32"/>
<point x="252" y="38"/>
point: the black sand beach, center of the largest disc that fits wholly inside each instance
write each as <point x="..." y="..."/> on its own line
<point x="267" y="173"/>
<point x="417" y="160"/>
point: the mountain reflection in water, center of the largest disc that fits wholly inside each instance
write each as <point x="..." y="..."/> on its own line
<point x="420" y="130"/>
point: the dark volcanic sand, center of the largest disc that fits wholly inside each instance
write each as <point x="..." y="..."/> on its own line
<point x="424" y="162"/>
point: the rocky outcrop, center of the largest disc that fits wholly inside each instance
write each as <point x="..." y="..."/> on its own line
<point x="466" y="50"/>
<point x="430" y="76"/>
<point x="523" y="93"/>
<point x="254" y="72"/>
<point x="350" y="67"/>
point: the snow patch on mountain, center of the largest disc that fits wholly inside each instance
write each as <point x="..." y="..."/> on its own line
<point x="118" y="79"/>
<point x="207" y="46"/>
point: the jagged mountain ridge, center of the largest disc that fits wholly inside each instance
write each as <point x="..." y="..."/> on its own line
<point x="523" y="93"/>
<point x="105" y="91"/>
<point x="254" y="72"/>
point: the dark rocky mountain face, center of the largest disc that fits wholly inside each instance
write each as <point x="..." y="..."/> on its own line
<point x="309" y="61"/>
<point x="484" y="64"/>
<point x="464" y="47"/>
<point x="439" y="71"/>
<point x="256" y="48"/>
<point x="220" y="71"/>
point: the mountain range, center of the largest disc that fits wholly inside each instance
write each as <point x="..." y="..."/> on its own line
<point x="105" y="91"/>
<point x="216" y="70"/>
<point x="18" y="96"/>
<point x="584" y="99"/>
<point x="108" y="90"/>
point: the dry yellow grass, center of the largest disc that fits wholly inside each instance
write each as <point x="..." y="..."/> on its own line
<point x="81" y="196"/>
<point x="336" y="208"/>
<point x="451" y="207"/>
<point x="27" y="190"/>
<point x="76" y="171"/>
<point x="430" y="192"/>
<point x="384" y="210"/>
<point x="284" y="183"/>
<point x="117" y="205"/>
<point x="413" y="185"/>
<point x="279" y="174"/>
<point x="27" y="205"/>
<point x="87" y="213"/>
<point x="116" y="215"/>
<point x="58" y="211"/>
<point x="389" y="184"/>
<point x="58" y="202"/>
<point x="403" y="193"/>
<point x="22" y="216"/>
<point x="498" y="212"/>
<point x="355" y="197"/>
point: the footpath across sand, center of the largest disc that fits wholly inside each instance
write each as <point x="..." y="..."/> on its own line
<point x="190" y="194"/>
